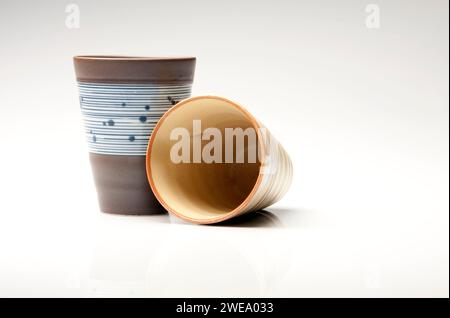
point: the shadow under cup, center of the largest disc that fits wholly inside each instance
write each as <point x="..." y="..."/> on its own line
<point x="121" y="100"/>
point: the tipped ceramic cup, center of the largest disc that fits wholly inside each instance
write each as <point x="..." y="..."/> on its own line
<point x="121" y="100"/>
<point x="209" y="160"/>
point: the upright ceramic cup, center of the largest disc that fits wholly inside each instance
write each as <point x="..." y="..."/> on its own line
<point x="201" y="175"/>
<point x="121" y="100"/>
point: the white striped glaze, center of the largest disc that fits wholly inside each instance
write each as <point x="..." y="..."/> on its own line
<point x="119" y="118"/>
<point x="276" y="175"/>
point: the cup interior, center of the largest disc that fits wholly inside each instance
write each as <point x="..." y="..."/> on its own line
<point x="203" y="192"/>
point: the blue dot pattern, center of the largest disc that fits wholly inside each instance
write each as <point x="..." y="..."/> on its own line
<point x="123" y="116"/>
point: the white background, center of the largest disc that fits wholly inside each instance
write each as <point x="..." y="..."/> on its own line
<point x="362" y="112"/>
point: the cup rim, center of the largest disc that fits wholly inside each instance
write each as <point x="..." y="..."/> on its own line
<point x="237" y="210"/>
<point x="122" y="69"/>
<point x="132" y="58"/>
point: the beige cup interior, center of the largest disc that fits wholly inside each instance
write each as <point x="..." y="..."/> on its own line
<point x="201" y="192"/>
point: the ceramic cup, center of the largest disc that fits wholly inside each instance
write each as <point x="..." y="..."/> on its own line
<point x="209" y="160"/>
<point x="121" y="100"/>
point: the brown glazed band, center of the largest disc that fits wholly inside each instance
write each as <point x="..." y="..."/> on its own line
<point x="128" y="69"/>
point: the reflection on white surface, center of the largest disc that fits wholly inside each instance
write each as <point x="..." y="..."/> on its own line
<point x="120" y="257"/>
<point x="172" y="260"/>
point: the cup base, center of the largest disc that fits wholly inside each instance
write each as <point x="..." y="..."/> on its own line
<point x="122" y="186"/>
